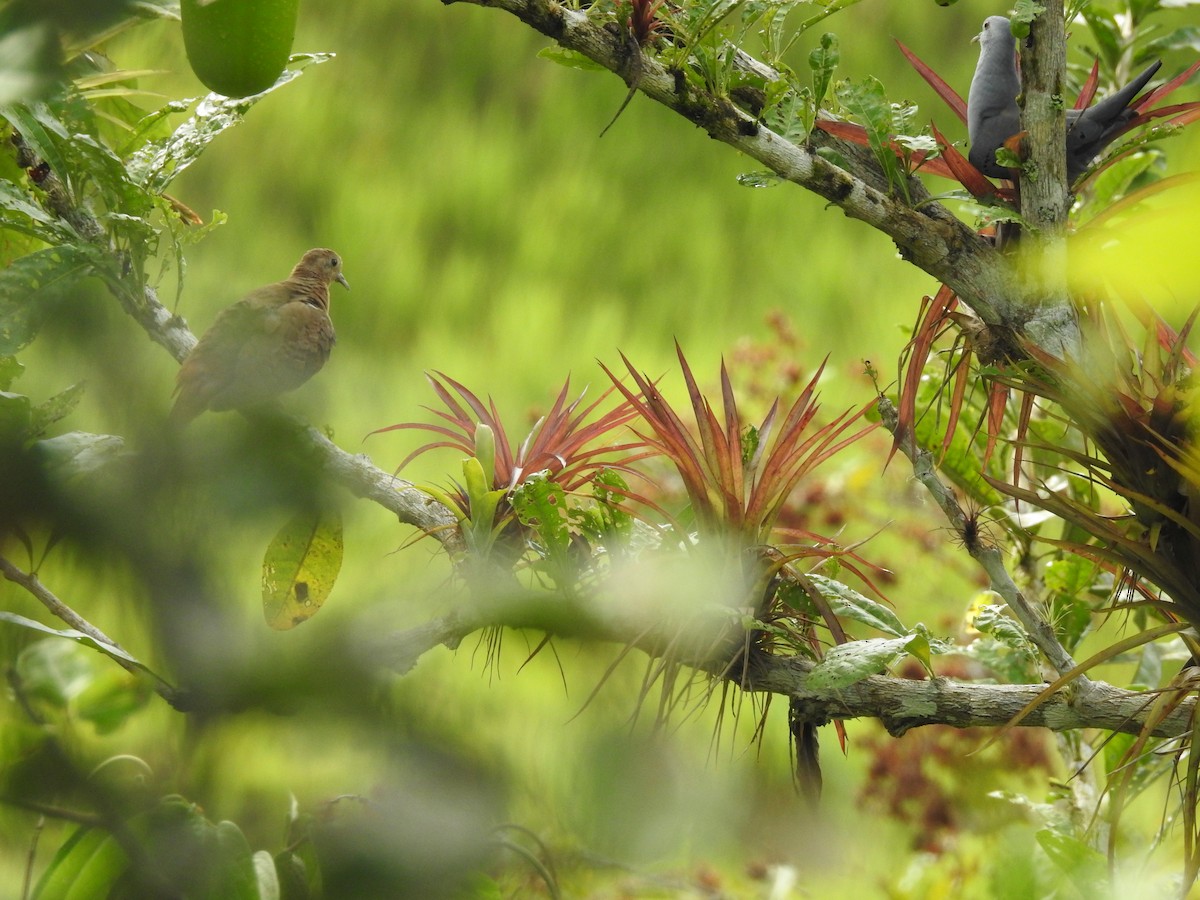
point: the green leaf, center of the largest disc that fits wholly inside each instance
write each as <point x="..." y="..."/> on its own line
<point x="485" y="449"/>
<point x="867" y="103"/>
<point x="53" y="672"/>
<point x="482" y="887"/>
<point x="266" y="876"/>
<point x="232" y="872"/>
<point x="10" y="371"/>
<point x="78" y="636"/>
<point x="68" y="862"/>
<point x="300" y="568"/>
<point x="922" y="647"/>
<point x="759" y="179"/>
<point x="992" y="619"/>
<point x="79" y="452"/>
<point x="24" y="215"/>
<point x="57" y="407"/>
<point x="848" y="663"/>
<point x="570" y="58"/>
<point x="15" y="415"/>
<point x="792" y="115"/>
<point x="1005" y="648"/>
<point x="1084" y="865"/>
<point x="1114" y="182"/>
<point x="542" y="505"/>
<point x="111" y="698"/>
<point x="1070" y="575"/>
<point x="609" y="489"/>
<point x="101" y="870"/>
<point x="30" y="287"/>
<point x="39" y="132"/>
<point x="157" y="164"/>
<point x="29" y="63"/>
<point x="850" y="604"/>
<point x="824" y="62"/>
<point x="1184" y="38"/>
<point x="1106" y="32"/>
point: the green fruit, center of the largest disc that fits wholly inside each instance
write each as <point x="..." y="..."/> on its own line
<point x="238" y="47"/>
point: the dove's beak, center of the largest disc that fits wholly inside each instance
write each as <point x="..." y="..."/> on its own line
<point x="341" y="279"/>
<point x="975" y="39"/>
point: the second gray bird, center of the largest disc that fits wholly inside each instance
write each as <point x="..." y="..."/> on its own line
<point x="993" y="116"/>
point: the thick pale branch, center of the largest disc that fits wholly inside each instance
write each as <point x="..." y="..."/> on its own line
<point x="898" y="703"/>
<point x="929" y="236"/>
<point x="1044" y="195"/>
<point x="901" y="704"/>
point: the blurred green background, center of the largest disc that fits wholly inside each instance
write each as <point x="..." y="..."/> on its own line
<point x="488" y="232"/>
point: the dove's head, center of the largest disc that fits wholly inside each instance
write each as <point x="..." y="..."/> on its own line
<point x="996" y="32"/>
<point x="321" y="265"/>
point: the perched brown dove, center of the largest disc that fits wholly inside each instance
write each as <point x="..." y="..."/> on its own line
<point x="271" y="341"/>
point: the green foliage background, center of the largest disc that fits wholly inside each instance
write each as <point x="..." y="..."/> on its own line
<point x="488" y="232"/>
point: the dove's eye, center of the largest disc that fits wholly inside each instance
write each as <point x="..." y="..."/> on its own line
<point x="333" y="261"/>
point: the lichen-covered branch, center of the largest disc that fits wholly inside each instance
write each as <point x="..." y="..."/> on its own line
<point x="898" y="703"/>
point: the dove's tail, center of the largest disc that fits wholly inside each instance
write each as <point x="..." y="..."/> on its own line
<point x="1112" y="106"/>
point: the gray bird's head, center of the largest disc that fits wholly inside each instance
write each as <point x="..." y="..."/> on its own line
<point x="996" y="33"/>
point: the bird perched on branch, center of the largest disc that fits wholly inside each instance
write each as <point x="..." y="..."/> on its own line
<point x="993" y="116"/>
<point x="271" y="341"/>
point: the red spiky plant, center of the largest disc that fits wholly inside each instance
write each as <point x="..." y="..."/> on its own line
<point x="570" y="444"/>
<point x="738" y="477"/>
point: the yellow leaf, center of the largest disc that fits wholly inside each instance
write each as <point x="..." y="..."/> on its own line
<point x="300" y="568"/>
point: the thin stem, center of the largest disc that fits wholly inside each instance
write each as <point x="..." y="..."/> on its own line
<point x="30" y="582"/>
<point x="989" y="558"/>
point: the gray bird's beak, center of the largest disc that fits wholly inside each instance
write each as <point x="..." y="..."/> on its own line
<point x="975" y="39"/>
<point x="341" y="279"/>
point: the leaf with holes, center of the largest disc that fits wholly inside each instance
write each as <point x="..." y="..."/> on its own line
<point x="849" y="603"/>
<point x="847" y="664"/>
<point x="300" y="568"/>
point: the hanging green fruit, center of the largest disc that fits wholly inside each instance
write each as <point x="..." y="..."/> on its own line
<point x="238" y="47"/>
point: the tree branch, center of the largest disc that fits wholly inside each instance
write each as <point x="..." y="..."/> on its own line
<point x="988" y="557"/>
<point x="928" y="236"/>
<point x="1045" y="200"/>
<point x="899" y="703"/>
<point x="30" y="582"/>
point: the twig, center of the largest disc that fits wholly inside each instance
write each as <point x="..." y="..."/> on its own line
<point x="31" y="859"/>
<point x="30" y="582"/>
<point x="989" y="557"/>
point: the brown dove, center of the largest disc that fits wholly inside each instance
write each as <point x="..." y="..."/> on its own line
<point x="271" y="341"/>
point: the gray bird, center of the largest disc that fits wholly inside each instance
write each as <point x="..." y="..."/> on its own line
<point x="993" y="116"/>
